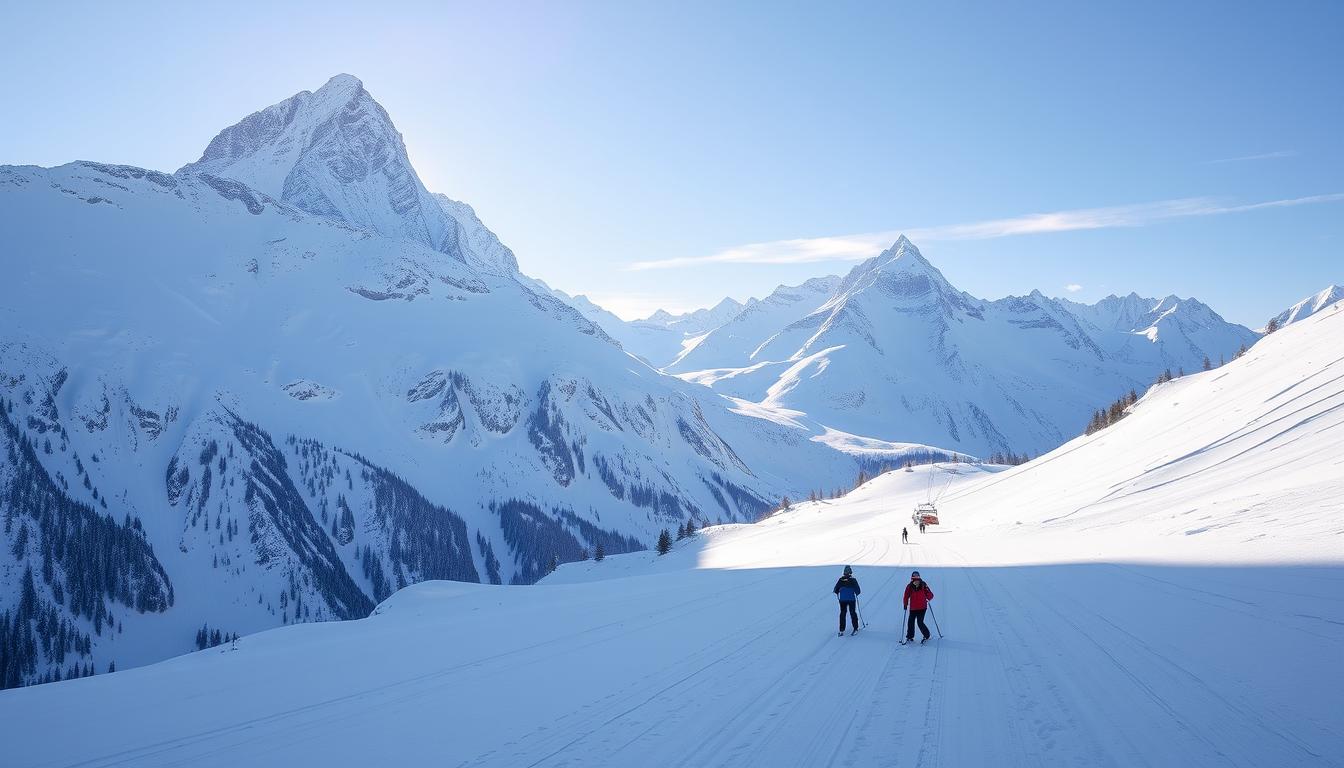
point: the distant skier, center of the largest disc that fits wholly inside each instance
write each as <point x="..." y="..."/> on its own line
<point x="905" y="536"/>
<point x="921" y="526"/>
<point x="847" y="589"/>
<point x="917" y="597"/>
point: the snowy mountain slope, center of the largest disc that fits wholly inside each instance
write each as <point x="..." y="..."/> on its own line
<point x="735" y="343"/>
<point x="659" y="338"/>
<point x="1181" y="331"/>
<point x="1309" y="306"/>
<point x="1111" y="636"/>
<point x="662" y="337"/>
<point x="1242" y="459"/>
<point x="648" y="343"/>
<point x="298" y="408"/>
<point x="698" y="321"/>
<point x="896" y="352"/>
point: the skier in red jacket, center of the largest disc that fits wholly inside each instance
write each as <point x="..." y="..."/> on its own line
<point x="917" y="597"/>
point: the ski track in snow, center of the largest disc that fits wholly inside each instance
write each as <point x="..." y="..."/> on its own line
<point x="1030" y="672"/>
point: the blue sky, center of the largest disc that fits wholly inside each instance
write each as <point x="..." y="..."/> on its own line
<point x="668" y="154"/>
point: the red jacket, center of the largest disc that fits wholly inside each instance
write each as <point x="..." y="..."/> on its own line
<point x="917" y="599"/>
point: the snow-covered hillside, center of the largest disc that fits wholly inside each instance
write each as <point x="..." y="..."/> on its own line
<point x="1163" y="592"/>
<point x="895" y="352"/>
<point x="737" y="340"/>
<point x="1328" y="297"/>
<point x="285" y="381"/>
<point x="662" y="336"/>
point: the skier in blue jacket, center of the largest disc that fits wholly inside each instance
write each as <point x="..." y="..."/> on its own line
<point x="847" y="589"/>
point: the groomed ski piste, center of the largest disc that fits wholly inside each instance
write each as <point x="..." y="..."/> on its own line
<point x="1166" y="592"/>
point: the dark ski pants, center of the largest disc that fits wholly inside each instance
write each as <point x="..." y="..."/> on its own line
<point x="853" y="614"/>
<point x="916" y="615"/>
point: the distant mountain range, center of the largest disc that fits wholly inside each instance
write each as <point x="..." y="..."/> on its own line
<point x="895" y="352"/>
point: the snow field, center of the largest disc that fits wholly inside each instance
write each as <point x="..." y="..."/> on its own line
<point x="737" y="663"/>
<point x="1086" y="623"/>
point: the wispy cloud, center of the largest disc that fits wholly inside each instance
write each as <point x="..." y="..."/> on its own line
<point x="1266" y="156"/>
<point x="800" y="251"/>
<point x="1073" y="287"/>
<point x="866" y="245"/>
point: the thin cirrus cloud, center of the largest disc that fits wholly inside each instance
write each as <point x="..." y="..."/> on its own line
<point x="866" y="245"/>
<point x="1265" y="156"/>
<point x="1073" y="287"/>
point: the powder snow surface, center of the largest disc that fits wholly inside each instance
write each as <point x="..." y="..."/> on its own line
<point x="1165" y="592"/>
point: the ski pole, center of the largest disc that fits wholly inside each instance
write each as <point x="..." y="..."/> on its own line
<point x="935" y="620"/>
<point x="859" y="610"/>
<point x="904" y="625"/>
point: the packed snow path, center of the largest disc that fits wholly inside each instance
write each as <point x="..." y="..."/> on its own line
<point x="740" y="664"/>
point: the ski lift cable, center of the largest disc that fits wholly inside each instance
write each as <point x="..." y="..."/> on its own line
<point x="946" y="485"/>
<point x="928" y="489"/>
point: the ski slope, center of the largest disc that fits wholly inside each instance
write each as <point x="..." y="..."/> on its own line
<point x="1086" y="622"/>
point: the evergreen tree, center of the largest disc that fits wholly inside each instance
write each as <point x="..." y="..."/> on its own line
<point x="664" y="542"/>
<point x="681" y="532"/>
<point x="112" y="666"/>
<point x="1273" y="326"/>
<point x="784" y="503"/>
<point x="690" y="528"/>
<point x="555" y="563"/>
<point x="600" y="553"/>
<point x="1208" y="364"/>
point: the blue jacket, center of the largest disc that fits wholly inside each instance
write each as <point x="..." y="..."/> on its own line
<point x="847" y="588"/>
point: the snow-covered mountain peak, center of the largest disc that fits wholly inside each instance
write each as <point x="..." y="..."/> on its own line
<point x="821" y="287"/>
<point x="1308" y="306"/>
<point x="900" y="273"/>
<point x="263" y="148"/>
<point x="729" y="304"/>
<point x="344" y="81"/>
<point x="902" y="254"/>
<point x="335" y="153"/>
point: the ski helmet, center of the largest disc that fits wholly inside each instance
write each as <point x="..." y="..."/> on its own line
<point x="848" y="570"/>
<point x="915" y="575"/>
